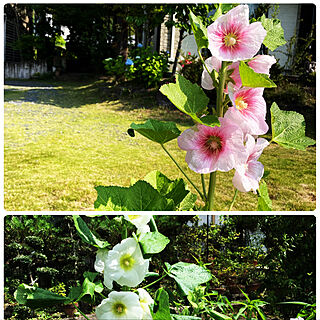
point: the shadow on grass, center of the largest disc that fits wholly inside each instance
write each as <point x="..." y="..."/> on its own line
<point x="60" y="94"/>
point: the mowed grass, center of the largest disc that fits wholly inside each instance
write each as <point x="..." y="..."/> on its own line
<point x="63" y="141"/>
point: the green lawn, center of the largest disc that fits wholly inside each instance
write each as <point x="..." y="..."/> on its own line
<point x="62" y="141"/>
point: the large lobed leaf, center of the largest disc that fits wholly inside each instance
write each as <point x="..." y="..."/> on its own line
<point x="190" y="99"/>
<point x="153" y="242"/>
<point x="157" y="131"/>
<point x="288" y="129"/>
<point x="252" y="79"/>
<point x="155" y="193"/>
<point x="275" y="34"/>
<point x="188" y="276"/>
<point x="35" y="297"/>
<point x="176" y="190"/>
<point x="139" y="197"/>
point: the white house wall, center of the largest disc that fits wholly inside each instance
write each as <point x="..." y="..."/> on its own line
<point x="289" y="16"/>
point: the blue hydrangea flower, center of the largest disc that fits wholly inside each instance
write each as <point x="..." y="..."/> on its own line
<point x="139" y="45"/>
<point x="129" y="62"/>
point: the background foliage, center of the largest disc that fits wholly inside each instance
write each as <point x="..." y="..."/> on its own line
<point x="276" y="264"/>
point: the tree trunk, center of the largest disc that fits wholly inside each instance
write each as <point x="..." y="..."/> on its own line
<point x="124" y="38"/>
<point x="175" y="63"/>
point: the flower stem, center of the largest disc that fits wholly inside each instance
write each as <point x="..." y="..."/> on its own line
<point x="203" y="186"/>
<point x="222" y="78"/>
<point x="176" y="163"/>
<point x="233" y="200"/>
<point x="212" y="187"/>
<point x="219" y="108"/>
<point x="80" y="311"/>
<point x="152" y="283"/>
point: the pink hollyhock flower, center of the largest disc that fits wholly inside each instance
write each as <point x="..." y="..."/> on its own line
<point x="260" y="64"/>
<point x="213" y="148"/>
<point x="249" y="109"/>
<point x="232" y="38"/>
<point x="248" y="174"/>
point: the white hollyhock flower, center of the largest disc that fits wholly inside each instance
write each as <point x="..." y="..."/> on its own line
<point x="145" y="301"/>
<point x="140" y="221"/>
<point x="100" y="260"/>
<point x="120" y="305"/>
<point x="125" y="264"/>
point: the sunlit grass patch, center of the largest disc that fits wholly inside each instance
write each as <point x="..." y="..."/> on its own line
<point x="62" y="142"/>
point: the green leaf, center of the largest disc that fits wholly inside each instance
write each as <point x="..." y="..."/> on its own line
<point x="86" y="234"/>
<point x="181" y="317"/>
<point x="187" y="203"/>
<point x="74" y="293"/>
<point x="241" y="312"/>
<point x="190" y="99"/>
<point x="88" y="288"/>
<point x="90" y="275"/>
<point x="98" y="287"/>
<point x="60" y="42"/>
<point x="199" y="31"/>
<point x="275" y="34"/>
<point x="222" y="8"/>
<point x="139" y="197"/>
<point x="153" y="242"/>
<point x="264" y="202"/>
<point x="35" y="297"/>
<point x="171" y="189"/>
<point x="252" y="79"/>
<point x="161" y="308"/>
<point x="157" y="131"/>
<point x="189" y="276"/>
<point x="217" y="315"/>
<point x="288" y="129"/>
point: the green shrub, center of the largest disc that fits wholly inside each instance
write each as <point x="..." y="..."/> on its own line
<point x="191" y="68"/>
<point x="144" y="66"/>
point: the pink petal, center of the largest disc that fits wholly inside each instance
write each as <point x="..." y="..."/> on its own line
<point x="206" y="80"/>
<point x="188" y="139"/>
<point x="258" y="149"/>
<point x="262" y="63"/>
<point x="198" y="162"/>
<point x="248" y="176"/>
<point x="239" y="14"/>
<point x="250" y="41"/>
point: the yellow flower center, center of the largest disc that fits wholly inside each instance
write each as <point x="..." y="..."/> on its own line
<point x="119" y="308"/>
<point x="230" y="40"/>
<point x="127" y="262"/>
<point x="241" y="104"/>
<point x="132" y="217"/>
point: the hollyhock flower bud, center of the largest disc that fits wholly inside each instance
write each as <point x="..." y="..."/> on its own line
<point x="248" y="174"/>
<point x="125" y="264"/>
<point x="120" y="305"/>
<point x="145" y="300"/>
<point x="249" y="109"/>
<point x="140" y="221"/>
<point x="100" y="260"/>
<point x="213" y="148"/>
<point x="232" y="38"/>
